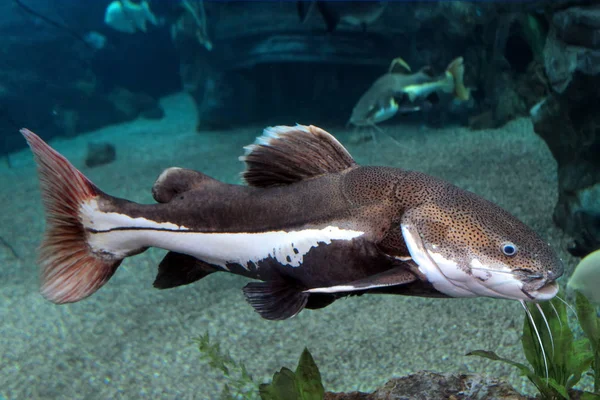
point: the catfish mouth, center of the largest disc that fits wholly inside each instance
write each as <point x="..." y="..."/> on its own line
<point x="546" y="292"/>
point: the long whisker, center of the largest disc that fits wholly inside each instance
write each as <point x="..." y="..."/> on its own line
<point x="547" y="325"/>
<point x="556" y="312"/>
<point x="537" y="333"/>
<point x="384" y="133"/>
<point x="378" y="129"/>
<point x="569" y="306"/>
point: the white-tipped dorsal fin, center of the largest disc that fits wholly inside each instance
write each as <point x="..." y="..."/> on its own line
<point x="288" y="154"/>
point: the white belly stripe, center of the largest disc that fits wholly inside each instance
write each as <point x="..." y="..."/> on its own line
<point x="288" y="248"/>
<point x="110" y="234"/>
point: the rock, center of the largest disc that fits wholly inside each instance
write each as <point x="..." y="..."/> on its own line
<point x="568" y="121"/>
<point x="509" y="104"/>
<point x="587" y="239"/>
<point x="100" y="153"/>
<point x="433" y="386"/>
<point x="579" y="26"/>
<point x="347" y="396"/>
<point x="426" y="385"/>
<point x="265" y="65"/>
<point x="573" y="45"/>
<point x="507" y="70"/>
<point x="484" y="120"/>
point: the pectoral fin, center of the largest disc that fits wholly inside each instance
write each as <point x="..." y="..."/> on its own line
<point x="396" y="276"/>
<point x="276" y="299"/>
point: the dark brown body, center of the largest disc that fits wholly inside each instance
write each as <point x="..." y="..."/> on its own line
<point x="340" y="199"/>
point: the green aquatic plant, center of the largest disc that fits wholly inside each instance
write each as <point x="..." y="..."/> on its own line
<point x="240" y="384"/>
<point x="587" y="314"/>
<point x="303" y="384"/>
<point x="556" y="359"/>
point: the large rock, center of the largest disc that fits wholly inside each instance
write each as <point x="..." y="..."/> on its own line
<point x="569" y="122"/>
<point x="265" y="64"/>
<point x="426" y="385"/>
<point x="573" y="46"/>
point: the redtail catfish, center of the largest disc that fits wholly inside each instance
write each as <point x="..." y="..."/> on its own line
<point x="310" y="225"/>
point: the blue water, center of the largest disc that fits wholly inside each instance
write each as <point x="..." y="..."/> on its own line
<point x="191" y="89"/>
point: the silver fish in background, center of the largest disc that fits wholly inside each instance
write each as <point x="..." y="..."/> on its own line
<point x="401" y="91"/>
<point x="311" y="226"/>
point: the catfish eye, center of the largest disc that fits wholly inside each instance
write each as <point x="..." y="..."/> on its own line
<point x="509" y="249"/>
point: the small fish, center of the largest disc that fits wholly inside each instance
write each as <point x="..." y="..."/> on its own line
<point x="379" y="102"/>
<point x="311" y="226"/>
<point x="128" y="17"/>
<point x="355" y="13"/>
<point x="586" y="277"/>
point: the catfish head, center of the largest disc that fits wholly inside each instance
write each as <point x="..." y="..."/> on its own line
<point x="467" y="246"/>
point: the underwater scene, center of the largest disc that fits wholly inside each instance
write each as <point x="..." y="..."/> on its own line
<point x="284" y="200"/>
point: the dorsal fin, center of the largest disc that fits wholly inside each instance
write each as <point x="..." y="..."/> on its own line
<point x="399" y="66"/>
<point x="288" y="154"/>
<point x="174" y="181"/>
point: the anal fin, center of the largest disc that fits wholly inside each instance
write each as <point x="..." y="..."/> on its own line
<point x="392" y="277"/>
<point x="319" y="300"/>
<point x="276" y="299"/>
<point x="178" y="269"/>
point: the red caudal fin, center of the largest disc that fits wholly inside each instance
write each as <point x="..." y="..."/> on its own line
<point x="70" y="270"/>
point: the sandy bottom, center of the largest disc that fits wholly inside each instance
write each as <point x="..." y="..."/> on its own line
<point x="130" y="340"/>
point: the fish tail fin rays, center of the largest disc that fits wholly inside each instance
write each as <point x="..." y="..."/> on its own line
<point x="276" y="299"/>
<point x="289" y="154"/>
<point x="70" y="270"/>
<point x="457" y="70"/>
